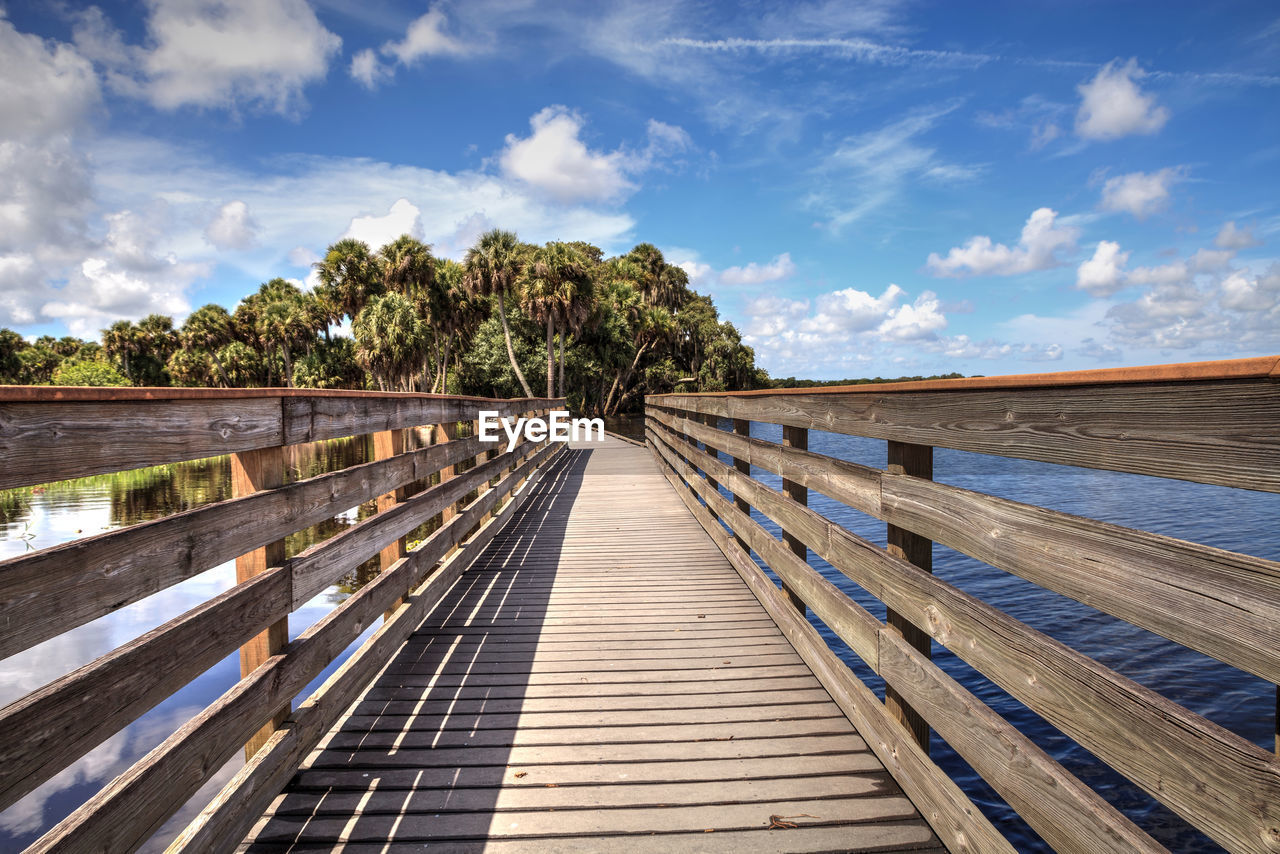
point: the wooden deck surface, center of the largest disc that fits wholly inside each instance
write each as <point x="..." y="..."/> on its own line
<point x="601" y="679"/>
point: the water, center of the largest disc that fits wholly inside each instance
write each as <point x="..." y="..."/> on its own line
<point x="56" y="513"/>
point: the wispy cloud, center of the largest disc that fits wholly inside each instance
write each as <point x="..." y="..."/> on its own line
<point x="860" y="50"/>
<point x="865" y="172"/>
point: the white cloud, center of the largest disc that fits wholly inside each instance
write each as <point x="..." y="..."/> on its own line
<point x="868" y="171"/>
<point x="301" y="256"/>
<point x="366" y="68"/>
<point x="1113" y="106"/>
<point x="919" y="320"/>
<point x="128" y="276"/>
<point x="232" y="228"/>
<point x="46" y="88"/>
<point x="426" y="37"/>
<point x="554" y="160"/>
<point x="222" y="53"/>
<point x="1042" y="238"/>
<point x="1139" y="193"/>
<point x="1242" y="291"/>
<point x="1103" y="274"/>
<point x="781" y="267"/>
<point x="1230" y="237"/>
<point x="377" y="231"/>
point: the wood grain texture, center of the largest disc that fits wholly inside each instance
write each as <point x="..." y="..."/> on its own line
<point x="847" y="619"/>
<point x="855" y="485"/>
<point x="130" y="808"/>
<point x="44" y="440"/>
<point x="1225" y="432"/>
<point x="258" y="471"/>
<point x="226" y="820"/>
<point x="56" y="589"/>
<point x="316" y="568"/>
<point x="1069" y="815"/>
<point x="915" y="461"/>
<point x="50" y="728"/>
<point x="957" y="821"/>
<point x="1221" y="603"/>
<point x="618" y="726"/>
<point x="1219" y="782"/>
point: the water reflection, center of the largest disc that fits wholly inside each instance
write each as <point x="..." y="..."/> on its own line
<point x="48" y="515"/>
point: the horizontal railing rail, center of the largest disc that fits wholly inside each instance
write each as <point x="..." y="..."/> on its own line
<point x="51" y="434"/>
<point x="1214" y="424"/>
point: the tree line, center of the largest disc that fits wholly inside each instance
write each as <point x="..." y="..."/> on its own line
<point x="601" y="331"/>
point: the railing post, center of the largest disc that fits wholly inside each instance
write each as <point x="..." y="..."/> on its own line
<point x="795" y="437"/>
<point x="916" y="461"/>
<point x="254" y="471"/>
<point x="742" y="427"/>
<point x="387" y="444"/>
<point x="447" y="432"/>
<point x="711" y="421"/>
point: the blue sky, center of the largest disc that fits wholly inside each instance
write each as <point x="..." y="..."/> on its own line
<point x="885" y="188"/>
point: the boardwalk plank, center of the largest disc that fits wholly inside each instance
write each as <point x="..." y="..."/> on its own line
<point x="593" y="683"/>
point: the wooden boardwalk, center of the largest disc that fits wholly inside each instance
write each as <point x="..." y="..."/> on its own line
<point x="600" y="679"/>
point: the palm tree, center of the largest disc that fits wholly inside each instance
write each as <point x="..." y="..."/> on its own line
<point x="349" y="276"/>
<point x="120" y="341"/>
<point x="542" y="285"/>
<point x="408" y="268"/>
<point x="208" y="329"/>
<point x="460" y="316"/>
<point x="655" y="326"/>
<point x="390" y="338"/>
<point x="491" y="268"/>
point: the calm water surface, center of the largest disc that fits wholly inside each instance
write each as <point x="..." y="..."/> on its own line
<point x="1231" y="519"/>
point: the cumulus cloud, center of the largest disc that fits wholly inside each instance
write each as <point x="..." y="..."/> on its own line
<point x="1139" y="193"/>
<point x="1103" y="274"/>
<point x="848" y="329"/>
<point x="1037" y="249"/>
<point x="1112" y="105"/>
<point x="232" y="228"/>
<point x="404" y="218"/>
<point x="781" y="267"/>
<point x="45" y="87"/>
<point x="127" y="276"/>
<point x="1230" y="237"/>
<point x="427" y="36"/>
<point x="554" y="160"/>
<point x="220" y="53"/>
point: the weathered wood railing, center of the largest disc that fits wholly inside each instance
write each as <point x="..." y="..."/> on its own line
<point x="1215" y="423"/>
<point x="53" y="434"/>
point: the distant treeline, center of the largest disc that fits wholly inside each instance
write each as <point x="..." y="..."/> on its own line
<point x="792" y="382"/>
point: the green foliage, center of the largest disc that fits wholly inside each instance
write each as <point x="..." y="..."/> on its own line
<point x="603" y="332"/>
<point x="11" y="344"/>
<point x="80" y="372"/>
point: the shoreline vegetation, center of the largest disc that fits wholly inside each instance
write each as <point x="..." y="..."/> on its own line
<point x="511" y="318"/>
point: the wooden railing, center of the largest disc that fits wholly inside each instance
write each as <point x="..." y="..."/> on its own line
<point x="52" y="434"/>
<point x="1213" y="423"/>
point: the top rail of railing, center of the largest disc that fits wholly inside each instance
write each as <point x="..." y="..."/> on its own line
<point x="1209" y="422"/>
<point x="52" y="433"/>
